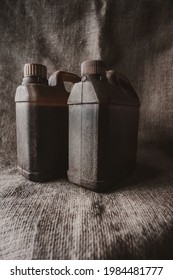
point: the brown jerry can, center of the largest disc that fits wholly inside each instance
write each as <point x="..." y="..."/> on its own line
<point x="103" y="127"/>
<point x="42" y="123"/>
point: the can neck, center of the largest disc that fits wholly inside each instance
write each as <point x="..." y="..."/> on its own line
<point x="91" y="77"/>
<point x="34" y="80"/>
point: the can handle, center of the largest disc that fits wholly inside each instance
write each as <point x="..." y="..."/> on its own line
<point x="115" y="77"/>
<point x="59" y="77"/>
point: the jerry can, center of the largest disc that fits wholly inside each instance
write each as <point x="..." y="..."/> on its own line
<point x="42" y="123"/>
<point x="103" y="127"/>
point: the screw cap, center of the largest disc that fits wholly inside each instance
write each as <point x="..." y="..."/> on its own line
<point x="33" y="69"/>
<point x="93" y="67"/>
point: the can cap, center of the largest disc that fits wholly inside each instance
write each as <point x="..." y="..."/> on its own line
<point x="33" y="69"/>
<point x="93" y="67"/>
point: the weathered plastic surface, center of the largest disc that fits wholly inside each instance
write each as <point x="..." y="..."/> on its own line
<point x="103" y="129"/>
<point x="42" y="128"/>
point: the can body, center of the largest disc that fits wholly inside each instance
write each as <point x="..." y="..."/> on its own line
<point x="42" y="133"/>
<point x="103" y="133"/>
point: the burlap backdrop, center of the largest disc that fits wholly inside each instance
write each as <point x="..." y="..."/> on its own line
<point x="59" y="220"/>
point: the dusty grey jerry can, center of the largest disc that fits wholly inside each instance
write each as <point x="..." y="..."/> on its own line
<point x="103" y="127"/>
<point x="42" y="123"/>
